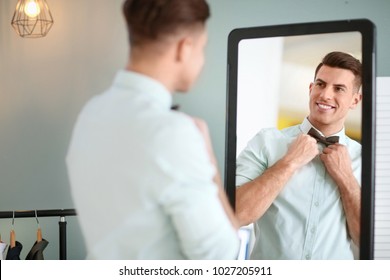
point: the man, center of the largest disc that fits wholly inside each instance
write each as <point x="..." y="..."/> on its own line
<point x="144" y="177"/>
<point x="302" y="196"/>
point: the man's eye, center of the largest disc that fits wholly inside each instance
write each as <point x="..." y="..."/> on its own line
<point x="340" y="89"/>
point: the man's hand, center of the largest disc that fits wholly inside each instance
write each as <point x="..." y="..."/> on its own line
<point x="337" y="162"/>
<point x="301" y="151"/>
<point x="204" y="130"/>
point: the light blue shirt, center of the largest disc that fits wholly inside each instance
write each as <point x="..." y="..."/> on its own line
<point x="141" y="178"/>
<point x="306" y="220"/>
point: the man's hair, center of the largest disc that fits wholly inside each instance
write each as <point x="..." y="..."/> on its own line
<point x="344" y="61"/>
<point x="153" y="20"/>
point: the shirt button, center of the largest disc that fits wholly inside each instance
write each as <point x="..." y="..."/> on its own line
<point x="316" y="204"/>
<point x="313" y="230"/>
<point x="307" y="256"/>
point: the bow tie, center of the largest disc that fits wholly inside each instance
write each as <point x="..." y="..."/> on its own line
<point x="321" y="139"/>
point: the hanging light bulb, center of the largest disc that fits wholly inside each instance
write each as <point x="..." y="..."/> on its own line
<point x="31" y="9"/>
<point x="32" y="18"/>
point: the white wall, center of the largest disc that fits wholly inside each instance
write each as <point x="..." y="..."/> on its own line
<point x="257" y="87"/>
<point x="45" y="82"/>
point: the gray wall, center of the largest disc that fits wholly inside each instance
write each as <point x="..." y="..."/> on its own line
<point x="45" y="82"/>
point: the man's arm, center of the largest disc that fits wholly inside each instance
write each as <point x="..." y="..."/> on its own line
<point x="255" y="197"/>
<point x="191" y="200"/>
<point x="339" y="166"/>
<point x="202" y="126"/>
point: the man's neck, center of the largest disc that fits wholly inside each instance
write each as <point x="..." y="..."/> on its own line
<point x="157" y="67"/>
<point x="325" y="129"/>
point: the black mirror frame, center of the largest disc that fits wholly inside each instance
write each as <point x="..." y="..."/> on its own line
<point x="367" y="30"/>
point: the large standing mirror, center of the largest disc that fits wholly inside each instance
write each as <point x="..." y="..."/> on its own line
<point x="270" y="69"/>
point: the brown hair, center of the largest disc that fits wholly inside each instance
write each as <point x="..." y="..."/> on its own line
<point x="344" y="61"/>
<point x="152" y="20"/>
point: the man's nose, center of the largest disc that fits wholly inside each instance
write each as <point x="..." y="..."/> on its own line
<point x="327" y="93"/>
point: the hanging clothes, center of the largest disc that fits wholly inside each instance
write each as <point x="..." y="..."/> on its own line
<point x="36" y="252"/>
<point x="15" y="247"/>
<point x="3" y="248"/>
<point x="14" y="252"/>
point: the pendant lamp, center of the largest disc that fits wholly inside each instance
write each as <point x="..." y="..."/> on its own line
<point x="32" y="18"/>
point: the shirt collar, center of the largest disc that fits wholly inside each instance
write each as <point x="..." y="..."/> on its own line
<point x="143" y="84"/>
<point x="305" y="126"/>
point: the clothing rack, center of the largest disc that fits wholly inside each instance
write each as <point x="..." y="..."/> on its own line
<point x="62" y="213"/>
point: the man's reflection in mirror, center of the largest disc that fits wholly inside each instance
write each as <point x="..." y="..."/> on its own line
<point x="300" y="186"/>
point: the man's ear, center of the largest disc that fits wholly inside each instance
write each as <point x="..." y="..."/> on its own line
<point x="357" y="97"/>
<point x="184" y="49"/>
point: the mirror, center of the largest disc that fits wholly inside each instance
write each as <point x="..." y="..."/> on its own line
<point x="270" y="69"/>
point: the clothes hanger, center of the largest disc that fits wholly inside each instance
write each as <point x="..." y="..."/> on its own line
<point x="39" y="231"/>
<point x="12" y="242"/>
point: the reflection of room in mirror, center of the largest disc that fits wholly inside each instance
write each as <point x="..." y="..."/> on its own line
<point x="273" y="80"/>
<point x="271" y="70"/>
<point x="258" y="81"/>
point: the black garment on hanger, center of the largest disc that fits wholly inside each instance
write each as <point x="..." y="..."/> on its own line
<point x="36" y="252"/>
<point x="14" y="253"/>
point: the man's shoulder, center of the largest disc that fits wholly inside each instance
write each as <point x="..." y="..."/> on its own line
<point x="273" y="132"/>
<point x="174" y="131"/>
<point x="176" y="123"/>
<point x="353" y="145"/>
<point x="291" y="130"/>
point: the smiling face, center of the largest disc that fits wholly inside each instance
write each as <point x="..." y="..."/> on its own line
<point x="332" y="95"/>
